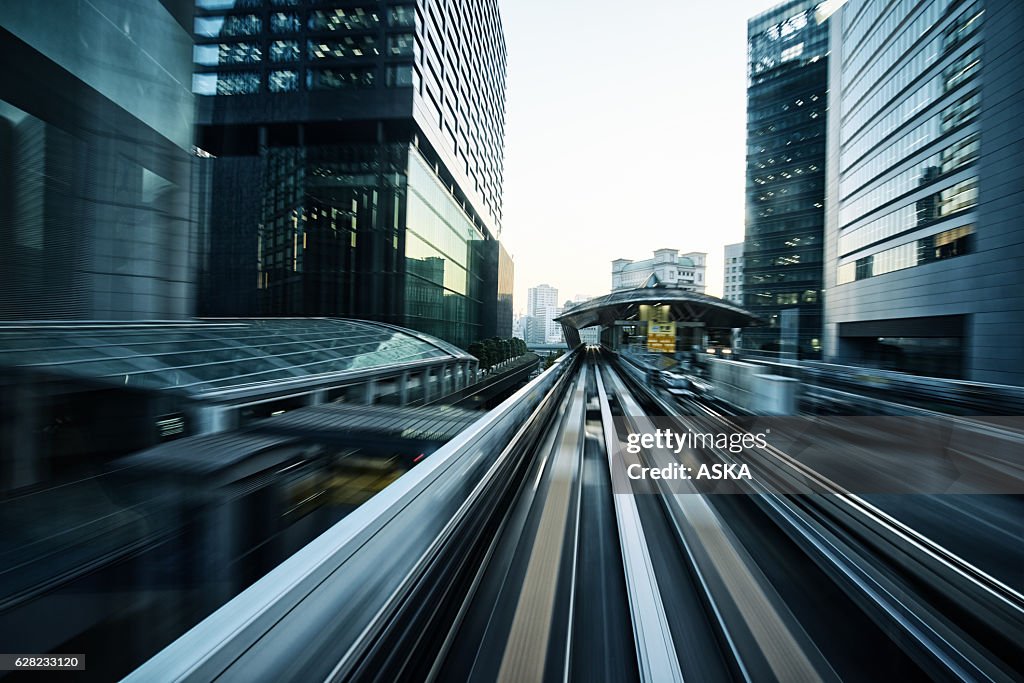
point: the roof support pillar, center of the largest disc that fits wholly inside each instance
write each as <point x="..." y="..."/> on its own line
<point x="370" y="391"/>
<point x="403" y="389"/>
<point x="445" y="386"/>
<point x="427" y="384"/>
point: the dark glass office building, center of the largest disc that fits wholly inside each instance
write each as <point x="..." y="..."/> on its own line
<point x="786" y="126"/>
<point x="96" y="124"/>
<point x="353" y="156"/>
<point x="925" y="233"/>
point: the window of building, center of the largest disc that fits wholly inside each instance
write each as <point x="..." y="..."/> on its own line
<point x="227" y="53"/>
<point x="962" y="69"/>
<point x="954" y="242"/>
<point x="964" y="26"/>
<point x="792" y="52"/>
<point x="786" y="298"/>
<point x="961" y="112"/>
<point x="961" y="196"/>
<point x="239" y="83"/>
<point x="960" y="154"/>
<point x="403" y="75"/>
<point x="284" y="51"/>
<point x="229" y="26"/>
<point x="341" y="77"/>
<point x="226" y="4"/>
<point x="402" y="15"/>
<point x="944" y="245"/>
<point x="864" y="267"/>
<point x="284" y="22"/>
<point x="344" y="19"/>
<point x="846" y="273"/>
<point x="401" y="45"/>
<point x="347" y="46"/>
<point x="283" y="81"/>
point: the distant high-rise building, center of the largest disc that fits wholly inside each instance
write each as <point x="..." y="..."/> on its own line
<point x="355" y="161"/>
<point x="925" y="231"/>
<point x="535" y="330"/>
<point x="519" y="326"/>
<point x="732" y="287"/>
<point x="540" y="297"/>
<point x="668" y="268"/>
<point x="554" y="333"/>
<point x="542" y="306"/>
<point x="787" y="49"/>
<point x="96" y="163"/>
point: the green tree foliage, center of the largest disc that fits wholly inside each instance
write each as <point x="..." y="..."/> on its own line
<point x="476" y="349"/>
<point x="491" y="352"/>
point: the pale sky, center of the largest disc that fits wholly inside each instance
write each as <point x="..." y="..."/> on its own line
<point x="625" y="133"/>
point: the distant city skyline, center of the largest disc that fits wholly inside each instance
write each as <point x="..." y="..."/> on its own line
<point x="614" y="147"/>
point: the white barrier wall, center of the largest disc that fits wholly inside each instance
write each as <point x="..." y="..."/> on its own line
<point x="750" y="387"/>
<point x="734" y="380"/>
<point x="774" y="395"/>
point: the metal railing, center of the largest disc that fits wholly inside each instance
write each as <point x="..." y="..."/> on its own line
<point x="319" y="613"/>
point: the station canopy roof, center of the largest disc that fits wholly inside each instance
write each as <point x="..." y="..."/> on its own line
<point x="686" y="306"/>
<point x="204" y="357"/>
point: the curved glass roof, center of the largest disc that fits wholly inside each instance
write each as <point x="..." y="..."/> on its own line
<point x="212" y="356"/>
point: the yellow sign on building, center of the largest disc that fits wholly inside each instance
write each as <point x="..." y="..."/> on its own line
<point x="661" y="337"/>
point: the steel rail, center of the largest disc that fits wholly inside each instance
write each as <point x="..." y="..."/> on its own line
<point x="289" y="624"/>
<point x="656" y="653"/>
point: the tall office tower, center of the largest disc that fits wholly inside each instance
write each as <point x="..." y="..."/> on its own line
<point x="540" y="297"/>
<point x="925" y="229"/>
<point x="732" y="287"/>
<point x="96" y="125"/>
<point x="355" y="160"/>
<point x="787" y="49"/>
<point x="542" y="306"/>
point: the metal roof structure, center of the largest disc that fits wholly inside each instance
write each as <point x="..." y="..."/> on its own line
<point x="337" y="423"/>
<point x="205" y="357"/>
<point x="434" y="424"/>
<point x="686" y="306"/>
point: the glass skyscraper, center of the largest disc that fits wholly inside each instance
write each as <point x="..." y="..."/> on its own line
<point x="353" y="161"/>
<point x="925" y="222"/>
<point x="787" y="52"/>
<point x="96" y="169"/>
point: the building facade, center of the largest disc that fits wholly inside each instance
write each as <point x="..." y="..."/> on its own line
<point x="535" y="330"/>
<point x="668" y="268"/>
<point x="732" y="284"/>
<point x="925" y="231"/>
<point x="504" y="281"/>
<point x="96" y="164"/>
<point x="355" y="161"/>
<point x="787" y="49"/>
<point x="542" y="307"/>
<point x="539" y="298"/>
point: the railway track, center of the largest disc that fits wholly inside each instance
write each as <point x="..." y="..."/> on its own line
<point x="514" y="554"/>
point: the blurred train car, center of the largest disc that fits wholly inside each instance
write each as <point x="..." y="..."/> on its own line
<point x="167" y="535"/>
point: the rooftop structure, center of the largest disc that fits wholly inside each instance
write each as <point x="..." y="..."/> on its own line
<point x="668" y="268"/>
